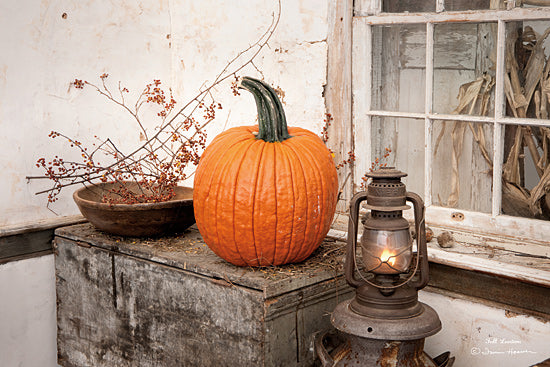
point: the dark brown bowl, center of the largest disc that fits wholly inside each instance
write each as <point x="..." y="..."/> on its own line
<point x="136" y="220"/>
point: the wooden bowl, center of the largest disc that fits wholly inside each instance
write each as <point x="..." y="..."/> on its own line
<point x="136" y="220"/>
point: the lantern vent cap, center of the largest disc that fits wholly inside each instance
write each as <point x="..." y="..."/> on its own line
<point x="386" y="173"/>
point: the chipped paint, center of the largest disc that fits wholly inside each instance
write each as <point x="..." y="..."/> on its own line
<point x="48" y="44"/>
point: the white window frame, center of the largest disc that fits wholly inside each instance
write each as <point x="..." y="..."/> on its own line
<point x="368" y="14"/>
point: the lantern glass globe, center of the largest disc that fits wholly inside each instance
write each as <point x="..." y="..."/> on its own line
<point x="386" y="252"/>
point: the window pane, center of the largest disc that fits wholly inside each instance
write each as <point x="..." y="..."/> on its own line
<point x="462" y="165"/>
<point x="527" y="81"/>
<point x="411" y="6"/>
<point x="404" y="138"/>
<point x="456" y="5"/>
<point x="526" y="172"/>
<point x="464" y="68"/>
<point x="399" y="68"/>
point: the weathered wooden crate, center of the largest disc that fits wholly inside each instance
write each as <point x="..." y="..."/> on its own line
<point x="172" y="302"/>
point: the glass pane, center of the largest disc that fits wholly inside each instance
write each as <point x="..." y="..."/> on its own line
<point x="464" y="68"/>
<point x="462" y="165"/>
<point x="386" y="252"/>
<point x="457" y="5"/>
<point x="527" y="82"/>
<point x="399" y="68"/>
<point x="399" y="143"/>
<point x="411" y="6"/>
<point x="526" y="172"/>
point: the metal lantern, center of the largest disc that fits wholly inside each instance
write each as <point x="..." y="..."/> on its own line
<point x="384" y="324"/>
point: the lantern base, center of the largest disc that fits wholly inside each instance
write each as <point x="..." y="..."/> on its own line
<point x="425" y="323"/>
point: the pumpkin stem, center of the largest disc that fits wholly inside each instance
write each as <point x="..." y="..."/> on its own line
<point x="271" y="115"/>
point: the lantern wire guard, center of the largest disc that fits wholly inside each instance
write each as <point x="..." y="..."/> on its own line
<point x="411" y="274"/>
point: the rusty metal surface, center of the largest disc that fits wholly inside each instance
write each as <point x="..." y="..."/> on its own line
<point x="386" y="192"/>
<point x="425" y="324"/>
<point x="363" y="352"/>
<point x="545" y="363"/>
<point x="386" y="196"/>
<point x="384" y="324"/>
<point x="400" y="304"/>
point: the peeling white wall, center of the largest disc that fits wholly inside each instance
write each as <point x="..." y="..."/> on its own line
<point x="42" y="52"/>
<point x="181" y="42"/>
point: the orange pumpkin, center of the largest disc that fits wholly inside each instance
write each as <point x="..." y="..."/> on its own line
<point x="265" y="195"/>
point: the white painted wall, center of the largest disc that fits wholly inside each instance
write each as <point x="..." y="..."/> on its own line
<point x="184" y="43"/>
<point x="27" y="313"/>
<point x="482" y="336"/>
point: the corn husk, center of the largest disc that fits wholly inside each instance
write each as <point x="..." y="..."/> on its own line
<point x="527" y="91"/>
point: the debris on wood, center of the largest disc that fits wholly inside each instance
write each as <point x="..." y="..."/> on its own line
<point x="328" y="257"/>
<point x="429" y="234"/>
<point x="445" y="240"/>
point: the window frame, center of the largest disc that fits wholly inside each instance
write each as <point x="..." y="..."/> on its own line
<point x="368" y="14"/>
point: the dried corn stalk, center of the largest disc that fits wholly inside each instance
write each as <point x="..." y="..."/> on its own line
<point x="527" y="91"/>
<point x="471" y="97"/>
<point x="525" y="88"/>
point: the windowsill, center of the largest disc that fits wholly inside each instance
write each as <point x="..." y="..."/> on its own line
<point x="492" y="260"/>
<point x="476" y="267"/>
<point x="40" y="225"/>
<point x="487" y="254"/>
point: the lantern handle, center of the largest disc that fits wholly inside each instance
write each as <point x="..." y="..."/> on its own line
<point x="422" y="251"/>
<point x="350" y="265"/>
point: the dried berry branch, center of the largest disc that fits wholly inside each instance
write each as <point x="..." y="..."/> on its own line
<point x="378" y="162"/>
<point x="160" y="162"/>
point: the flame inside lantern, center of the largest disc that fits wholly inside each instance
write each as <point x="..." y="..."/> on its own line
<point x="386" y="252"/>
<point x="387" y="257"/>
